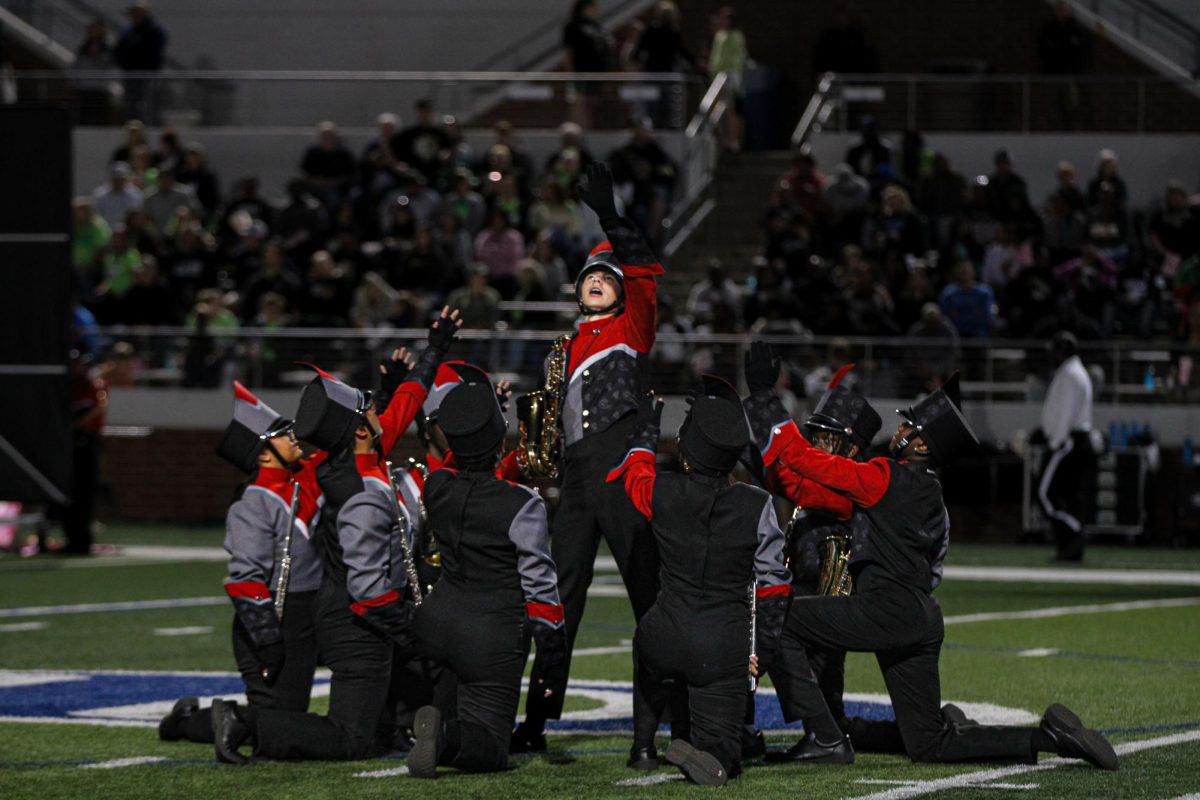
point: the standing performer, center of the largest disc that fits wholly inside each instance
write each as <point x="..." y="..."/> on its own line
<point x="1067" y="425"/>
<point x="715" y="538"/>
<point x="498" y="586"/>
<point x="273" y="635"/>
<point x="362" y="610"/>
<point x="899" y="525"/>
<point x="601" y="384"/>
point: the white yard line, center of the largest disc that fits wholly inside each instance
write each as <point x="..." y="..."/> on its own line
<point x="1070" y="611"/>
<point x="103" y="608"/>
<point x="1138" y="577"/>
<point x="117" y="763"/>
<point x="188" y="630"/>
<point x="883" y="782"/>
<point x="984" y="777"/>
<point x="383" y="773"/>
<point x="16" y="627"/>
<point x="650" y="780"/>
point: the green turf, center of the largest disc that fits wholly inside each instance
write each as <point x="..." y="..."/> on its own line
<point x="1135" y="673"/>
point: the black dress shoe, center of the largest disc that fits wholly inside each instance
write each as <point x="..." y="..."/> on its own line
<point x="170" y="729"/>
<point x="809" y="751"/>
<point x="754" y="745"/>
<point x="229" y="732"/>
<point x="527" y="740"/>
<point x="428" y="740"/>
<point x="1072" y="740"/>
<point x="697" y="766"/>
<point x="643" y="758"/>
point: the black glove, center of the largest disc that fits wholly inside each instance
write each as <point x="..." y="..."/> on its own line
<point x="270" y="661"/>
<point x="441" y="335"/>
<point x="771" y="613"/>
<point x="502" y="396"/>
<point x="394" y="620"/>
<point x="596" y="190"/>
<point x="549" y="671"/>
<point x="394" y="372"/>
<point x="762" y="367"/>
<point x="339" y="478"/>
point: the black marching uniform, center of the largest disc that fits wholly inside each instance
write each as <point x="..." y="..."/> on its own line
<point x="719" y="542"/>
<point x="602" y="380"/>
<point x="276" y="656"/>
<point x="498" y="586"/>
<point x="899" y="534"/>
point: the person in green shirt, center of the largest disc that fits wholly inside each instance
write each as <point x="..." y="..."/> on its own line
<point x="89" y="237"/>
<point x="728" y="55"/>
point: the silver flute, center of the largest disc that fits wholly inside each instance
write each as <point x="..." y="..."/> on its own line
<point x="753" y="631"/>
<point x="285" y="562"/>
<point x="406" y="553"/>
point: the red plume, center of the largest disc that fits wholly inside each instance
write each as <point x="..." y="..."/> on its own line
<point x="839" y="375"/>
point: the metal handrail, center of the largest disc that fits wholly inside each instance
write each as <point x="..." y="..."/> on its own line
<point x="685" y="215"/>
<point x="1185" y="34"/>
<point x="813" y="109"/>
<point x="373" y="75"/>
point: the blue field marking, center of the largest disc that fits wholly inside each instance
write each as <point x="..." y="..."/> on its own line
<point x="1154" y="662"/>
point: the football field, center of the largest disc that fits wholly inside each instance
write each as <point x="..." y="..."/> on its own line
<point x="94" y="651"/>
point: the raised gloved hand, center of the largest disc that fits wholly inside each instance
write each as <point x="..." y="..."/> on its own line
<point x="443" y="330"/>
<point x="392" y="372"/>
<point x="339" y="479"/>
<point x="596" y="190"/>
<point x="270" y="661"/>
<point x="503" y="393"/>
<point x="762" y="367"/>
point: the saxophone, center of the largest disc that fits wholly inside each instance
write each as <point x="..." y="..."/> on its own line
<point x="537" y="447"/>
<point x="835" y="567"/>
<point x="429" y="545"/>
<point x="406" y="548"/>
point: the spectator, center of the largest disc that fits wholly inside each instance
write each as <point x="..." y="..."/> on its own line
<point x="149" y="300"/>
<point x="135" y="134"/>
<point x="1007" y="194"/>
<point x="1067" y="189"/>
<point x="507" y="198"/>
<point x="868" y="303"/>
<point x="870" y="149"/>
<point x="728" y="55"/>
<point x="328" y="166"/>
<point x="1064" y="48"/>
<point x="1006" y="257"/>
<point x="190" y="264"/>
<point x="423" y="201"/>
<point x="302" y="224"/>
<point x="499" y="247"/>
<point x="89" y="236"/>
<point x="195" y="172"/>
<point x="715" y="289"/>
<point x="170" y="148"/>
<point x="968" y="305"/>
<point x="846" y="201"/>
<point x="801" y="187"/>
<point x="1174" y="230"/>
<point x="585" y="49"/>
<point x="144" y="175"/>
<point x="557" y="213"/>
<point x="1108" y="172"/>
<point x="207" y="355"/>
<point x="160" y="205"/>
<point x="570" y="145"/>
<point x="141" y="48"/>
<point x="519" y="164"/>
<point x="661" y="49"/>
<point x="942" y="198"/>
<point x="896" y="231"/>
<point x="459" y="155"/>
<point x="118" y="262"/>
<point x="453" y="243"/>
<point x="423" y="145"/>
<point x="1091" y="281"/>
<point x="325" y="297"/>
<point x="247" y="201"/>
<point x="1108" y="224"/>
<point x="427" y="271"/>
<point x="275" y="276"/>
<point x="927" y="366"/>
<point x="915" y="294"/>
<point x="477" y="302"/>
<point x="645" y="174"/>
<point x="465" y="203"/>
<point x="553" y="266"/>
<point x="115" y="198"/>
<point x="378" y="168"/>
<point x="373" y="301"/>
<point x="95" y="96"/>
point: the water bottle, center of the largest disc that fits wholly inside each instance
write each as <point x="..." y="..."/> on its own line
<point x="1148" y="378"/>
<point x="1187" y="451"/>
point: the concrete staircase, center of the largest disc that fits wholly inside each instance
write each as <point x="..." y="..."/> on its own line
<point x="733" y="232"/>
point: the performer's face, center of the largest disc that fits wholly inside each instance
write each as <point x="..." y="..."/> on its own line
<point x="831" y="443"/>
<point x="916" y="447"/>
<point x="599" y="290"/>
<point x="287" y="447"/>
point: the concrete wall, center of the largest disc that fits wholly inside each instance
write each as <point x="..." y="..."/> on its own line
<point x="1147" y="161"/>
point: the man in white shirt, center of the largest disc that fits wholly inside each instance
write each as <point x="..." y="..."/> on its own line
<point x="1067" y="423"/>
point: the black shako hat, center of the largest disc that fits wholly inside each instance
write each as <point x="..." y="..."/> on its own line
<point x="472" y="421"/>
<point x="845" y="411"/>
<point x="715" y="430"/>
<point x="253" y="425"/>
<point x="939" y="420"/>
<point x="330" y="411"/>
<point x="450" y="375"/>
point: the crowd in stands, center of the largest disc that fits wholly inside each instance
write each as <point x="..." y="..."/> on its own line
<point x="372" y="239"/>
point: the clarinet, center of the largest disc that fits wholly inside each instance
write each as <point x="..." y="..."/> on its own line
<point x="285" y="562"/>
<point x="753" y="632"/>
<point x="410" y="568"/>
